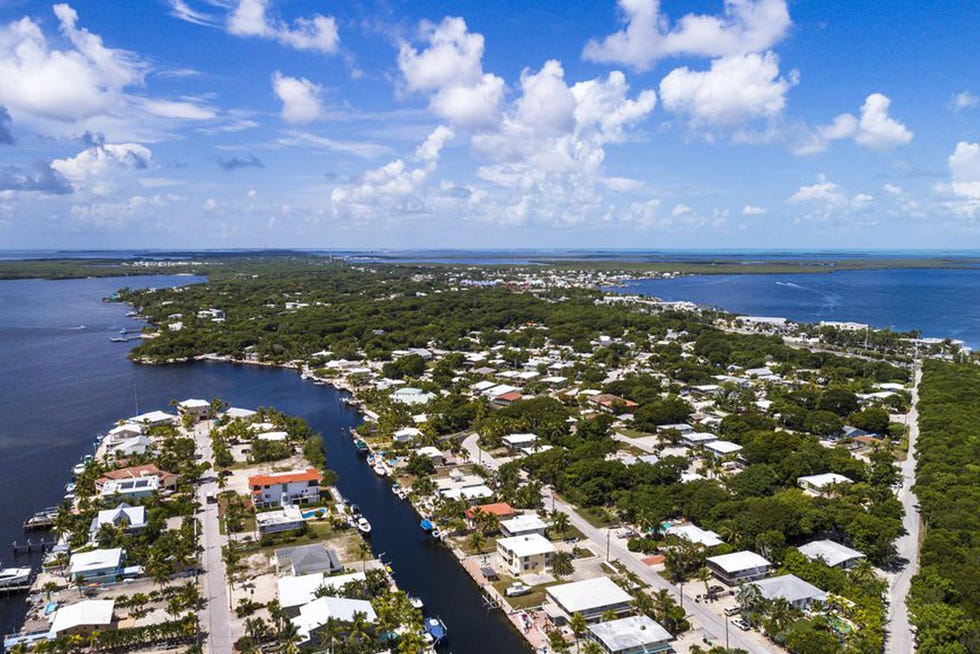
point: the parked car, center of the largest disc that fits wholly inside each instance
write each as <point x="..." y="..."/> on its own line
<point x="741" y="624"/>
<point x="732" y="610"/>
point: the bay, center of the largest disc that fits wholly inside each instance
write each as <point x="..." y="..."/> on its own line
<point x="63" y="382"/>
<point x="943" y="303"/>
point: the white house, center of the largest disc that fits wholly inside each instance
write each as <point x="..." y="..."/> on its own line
<point x="721" y="449"/>
<point x="239" y="413"/>
<point x="130" y="488"/>
<point x="738" y="567"/>
<point x="636" y="634"/>
<point x="198" y="409"/>
<point x="97" y="565"/>
<point x="515" y="442"/>
<point x="288" y="518"/>
<point x="591" y="598"/>
<point x="279" y="488"/>
<point x="831" y="553"/>
<point x="406" y="435"/>
<point x="820" y="484"/>
<point x="322" y="610"/>
<point x="154" y="419"/>
<point x="794" y="590"/>
<point x="433" y="454"/>
<point x="529" y="554"/>
<point x="131" y="519"/>
<point x="695" y="534"/>
<point x="273" y="436"/>
<point x="695" y="438"/>
<point x="523" y="525"/>
<point x="83" y="618"/>
<point x="133" y="446"/>
<point x="294" y="592"/>
<point x="412" y="396"/>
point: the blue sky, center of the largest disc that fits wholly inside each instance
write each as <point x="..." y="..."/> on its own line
<point x="637" y="123"/>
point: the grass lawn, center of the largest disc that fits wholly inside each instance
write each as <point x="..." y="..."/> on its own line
<point x="598" y="517"/>
<point x="633" y="433"/>
<point x="570" y="533"/>
<point x="532" y="600"/>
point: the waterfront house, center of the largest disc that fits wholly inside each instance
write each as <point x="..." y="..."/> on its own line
<point x="406" y="435"/>
<point x="197" y="409"/>
<point x="831" y="553"/>
<point x="154" y="419"/>
<point x="523" y="525"/>
<point x="97" y="565"/>
<point x="288" y="518"/>
<point x="123" y="432"/>
<point x="531" y="554"/>
<point x="133" y="446"/>
<point x="822" y="484"/>
<point x="800" y="594"/>
<point x="134" y="488"/>
<point x="234" y="413"/>
<point x="307" y="559"/>
<point x="325" y="610"/>
<point x="82" y="618"/>
<point x="633" y="635"/>
<point x="501" y="510"/>
<point x="412" y="396"/>
<point x="129" y="519"/>
<point x="273" y="436"/>
<point x="738" y="567"/>
<point x="591" y="598"/>
<point x="165" y="480"/>
<point x="280" y="488"/>
<point x="298" y="591"/>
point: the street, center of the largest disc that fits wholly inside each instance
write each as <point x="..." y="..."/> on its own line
<point x="215" y="617"/>
<point x="899" y="636"/>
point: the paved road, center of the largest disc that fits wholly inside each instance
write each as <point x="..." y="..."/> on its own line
<point x="705" y="619"/>
<point x="900" y="639"/>
<point x="215" y="617"/>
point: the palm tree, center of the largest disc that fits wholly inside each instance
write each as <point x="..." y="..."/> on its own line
<point x="592" y="647"/>
<point x="359" y="630"/>
<point x="559" y="522"/>
<point x="609" y="615"/>
<point x="289" y="639"/>
<point x="578" y="626"/>
<point x="561" y="564"/>
<point x="704" y="576"/>
<point x="477" y="541"/>
<point x="364" y="550"/>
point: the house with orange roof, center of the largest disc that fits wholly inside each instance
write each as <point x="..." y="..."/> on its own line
<point x="281" y="488"/>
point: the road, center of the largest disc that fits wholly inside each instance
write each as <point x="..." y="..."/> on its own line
<point x="712" y="624"/>
<point x="215" y="617"/>
<point x="900" y="639"/>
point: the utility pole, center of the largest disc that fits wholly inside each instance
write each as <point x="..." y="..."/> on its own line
<point x="608" y="534"/>
<point x="726" y="635"/>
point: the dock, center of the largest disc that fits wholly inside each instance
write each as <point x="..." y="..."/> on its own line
<point x="42" y="519"/>
<point x="31" y="546"/>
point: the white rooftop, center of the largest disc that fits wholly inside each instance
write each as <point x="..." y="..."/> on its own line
<point x="236" y="412"/>
<point x="84" y="613"/>
<point x="738" y="561"/>
<point x="95" y="561"/>
<point x="695" y="534"/>
<point x="273" y="436"/>
<point x="526" y="522"/>
<point x="318" y="612"/>
<point x="826" y="479"/>
<point x="193" y="403"/>
<point x="789" y="587"/>
<point x="833" y="554"/>
<point x="527" y="545"/>
<point x="626" y="634"/>
<point x="590" y="594"/>
<point x="723" y="447"/>
<point x="297" y="591"/>
<point x="519" y="439"/>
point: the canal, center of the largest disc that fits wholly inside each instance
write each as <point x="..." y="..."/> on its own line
<point x="63" y="382"/>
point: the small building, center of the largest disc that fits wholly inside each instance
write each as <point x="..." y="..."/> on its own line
<point x="130" y="519"/>
<point x="412" y="396"/>
<point x="680" y="428"/>
<point x="237" y="413"/>
<point x="633" y="635"/>
<point x="294" y="592"/>
<point x="197" y="409"/>
<point x="307" y="559"/>
<point x="288" y="518"/>
<point x="800" y="594"/>
<point x="738" y="567"/>
<point x="721" y="449"/>
<point x="97" y="565"/>
<point x="433" y="454"/>
<point x="154" y="419"/>
<point x="133" y="446"/>
<point x="515" y="442"/>
<point x="280" y="488"/>
<point x="324" y="610"/>
<point x="831" y="553"/>
<point x="591" y="598"/>
<point x="406" y="435"/>
<point x="612" y="403"/>
<point x="696" y="438"/>
<point x="82" y="618"/>
<point x="821" y="484"/>
<point x="695" y="534"/>
<point x="529" y="554"/>
<point x="131" y="489"/>
<point x="273" y="436"/>
<point x="523" y="525"/>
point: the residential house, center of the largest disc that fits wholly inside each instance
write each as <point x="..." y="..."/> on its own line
<point x="280" y="488"/>
<point x="324" y="610"/>
<point x="130" y="519"/>
<point x="800" y="594"/>
<point x="515" y="442"/>
<point x="412" y="396"/>
<point x="831" y="553"/>
<point x="633" y="635"/>
<point x="154" y="419"/>
<point x="133" y="446"/>
<point x="530" y="554"/>
<point x="97" y="565"/>
<point x="197" y="409"/>
<point x="523" y="525"/>
<point x="288" y="518"/>
<point x="612" y="403"/>
<point x="295" y="592"/>
<point x="83" y="618"/>
<point x="433" y="454"/>
<point x="591" y="597"/>
<point x="165" y="480"/>
<point x="694" y="439"/>
<point x="307" y="559"/>
<point x="721" y="449"/>
<point x="501" y="510"/>
<point x="130" y="489"/>
<point x="695" y="534"/>
<point x="822" y="484"/>
<point x="738" y="567"/>
<point x="406" y="435"/>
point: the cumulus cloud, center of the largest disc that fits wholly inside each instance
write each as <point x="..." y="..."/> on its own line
<point x="299" y="96"/>
<point x="824" y="191"/>
<point x="41" y="179"/>
<point x="234" y="163"/>
<point x="964" y="168"/>
<point x="875" y="129"/>
<point x="826" y="200"/>
<point x="744" y="26"/>
<point x="317" y="33"/>
<point x="449" y="68"/>
<point x="736" y="89"/>
<point x="101" y="168"/>
<point x="752" y="210"/>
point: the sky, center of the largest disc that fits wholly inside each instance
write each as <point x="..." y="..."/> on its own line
<point x="362" y="124"/>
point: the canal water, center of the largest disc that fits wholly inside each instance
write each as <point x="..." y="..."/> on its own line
<point x="63" y="382"/>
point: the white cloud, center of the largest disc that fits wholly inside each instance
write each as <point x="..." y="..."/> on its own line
<point x="299" y="96"/>
<point x="183" y="110"/>
<point x="210" y="205"/>
<point x="875" y="129"/>
<point x="964" y="168"/>
<point x="823" y="191"/>
<point x="751" y="210"/>
<point x="622" y="184"/>
<point x="680" y="210"/>
<point x="826" y="200"/>
<point x="317" y="33"/>
<point x="99" y="168"/>
<point x="745" y="26"/>
<point x="736" y="89"/>
<point x="963" y="100"/>
<point x="450" y="69"/>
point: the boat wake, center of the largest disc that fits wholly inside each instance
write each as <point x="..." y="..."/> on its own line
<point x="75" y="329"/>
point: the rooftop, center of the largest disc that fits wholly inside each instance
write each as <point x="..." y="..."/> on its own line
<point x="590" y="594"/>
<point x="528" y="545"/>
<point x="629" y="633"/>
<point x="310" y="474"/>
<point x="790" y="588"/>
<point x="84" y="613"/>
<point x="738" y="561"/>
<point x="833" y="554"/>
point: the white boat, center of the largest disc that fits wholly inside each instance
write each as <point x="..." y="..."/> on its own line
<point x="13" y="577"/>
<point x="78" y="469"/>
<point x="415" y="602"/>
<point x="380" y="470"/>
<point x="363" y="525"/>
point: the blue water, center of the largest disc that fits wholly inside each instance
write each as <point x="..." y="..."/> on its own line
<point x="938" y="302"/>
<point x="61" y="385"/>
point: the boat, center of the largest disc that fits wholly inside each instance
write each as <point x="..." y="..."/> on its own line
<point x="354" y="511"/>
<point x="15" y="577"/>
<point x="70" y="487"/>
<point x="361" y="446"/>
<point x="42" y="519"/>
<point x="380" y="470"/>
<point x="363" y="525"/>
<point x="398" y="491"/>
<point x="427" y="525"/>
<point x="78" y="469"/>
<point x="415" y="602"/>
<point x="119" y="339"/>
<point x="435" y="629"/>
